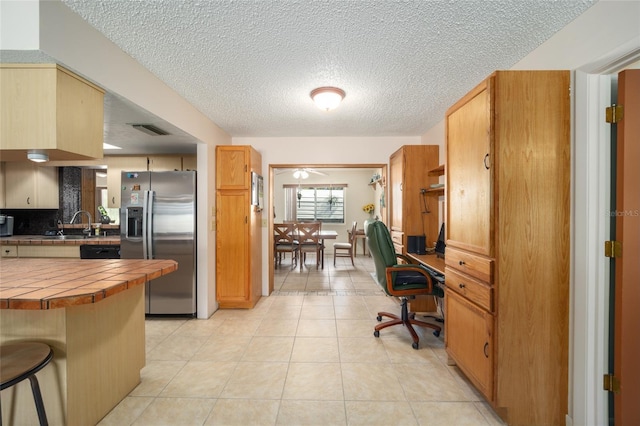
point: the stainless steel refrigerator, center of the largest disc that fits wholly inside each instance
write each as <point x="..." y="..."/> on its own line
<point x="158" y="221"/>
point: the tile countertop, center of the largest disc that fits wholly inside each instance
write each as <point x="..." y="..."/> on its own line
<point x="39" y="283"/>
<point x="25" y="240"/>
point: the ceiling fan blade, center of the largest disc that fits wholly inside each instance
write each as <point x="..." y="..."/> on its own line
<point x="316" y="172"/>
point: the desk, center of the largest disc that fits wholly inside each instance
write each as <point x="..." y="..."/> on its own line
<point x="359" y="235"/>
<point x="91" y="312"/>
<point x="431" y="261"/>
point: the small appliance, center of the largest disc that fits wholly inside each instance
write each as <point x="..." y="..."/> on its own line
<point x="6" y="226"/>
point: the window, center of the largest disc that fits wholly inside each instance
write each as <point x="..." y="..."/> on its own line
<point x="315" y="203"/>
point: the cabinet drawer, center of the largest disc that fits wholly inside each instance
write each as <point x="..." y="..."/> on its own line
<point x="474" y="290"/>
<point x="9" y="251"/>
<point x="470" y="264"/>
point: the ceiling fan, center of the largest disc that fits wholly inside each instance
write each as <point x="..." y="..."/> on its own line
<point x="301" y="173"/>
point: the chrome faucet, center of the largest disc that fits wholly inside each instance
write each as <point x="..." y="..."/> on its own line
<point x="87" y="230"/>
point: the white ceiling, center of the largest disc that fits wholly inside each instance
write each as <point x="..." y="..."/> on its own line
<point x="250" y="65"/>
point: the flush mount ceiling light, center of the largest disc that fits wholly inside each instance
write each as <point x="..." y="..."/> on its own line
<point x="327" y="98"/>
<point x="37" y="156"/>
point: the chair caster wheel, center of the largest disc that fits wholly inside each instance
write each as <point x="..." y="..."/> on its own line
<point x="414" y="345"/>
<point x="436" y="333"/>
<point x="379" y="318"/>
<point x="376" y="333"/>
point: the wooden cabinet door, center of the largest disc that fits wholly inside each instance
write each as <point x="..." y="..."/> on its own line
<point x="47" y="188"/>
<point x="20" y="185"/>
<point x="469" y="341"/>
<point x="232" y="171"/>
<point x="115" y="166"/>
<point x="469" y="173"/>
<point x="190" y="162"/>
<point x="165" y="163"/>
<point x="396" y="167"/>
<point x="232" y="248"/>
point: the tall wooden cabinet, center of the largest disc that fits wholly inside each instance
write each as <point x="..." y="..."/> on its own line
<point x="507" y="258"/>
<point x="238" y="226"/>
<point x="413" y="211"/>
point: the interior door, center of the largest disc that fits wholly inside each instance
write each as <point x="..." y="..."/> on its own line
<point x="627" y="267"/>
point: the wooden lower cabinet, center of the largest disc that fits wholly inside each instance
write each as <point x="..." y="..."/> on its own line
<point x="469" y="341"/>
<point x="233" y="285"/>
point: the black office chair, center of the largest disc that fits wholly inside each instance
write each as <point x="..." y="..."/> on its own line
<point x="400" y="280"/>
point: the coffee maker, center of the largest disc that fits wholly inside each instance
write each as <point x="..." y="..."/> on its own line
<point x="6" y="225"/>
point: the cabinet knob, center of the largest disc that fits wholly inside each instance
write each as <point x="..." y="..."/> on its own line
<point x="461" y="263"/>
<point x="113" y="200"/>
<point x="28" y="200"/>
<point x="486" y="164"/>
<point x="486" y="346"/>
<point x="461" y="285"/>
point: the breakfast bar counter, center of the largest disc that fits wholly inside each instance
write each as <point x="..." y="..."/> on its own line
<point x="91" y="312"/>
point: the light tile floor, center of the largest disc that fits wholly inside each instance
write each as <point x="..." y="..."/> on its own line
<point x="306" y="355"/>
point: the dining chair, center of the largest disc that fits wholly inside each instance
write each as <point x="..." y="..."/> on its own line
<point x="284" y="242"/>
<point x="346" y="249"/>
<point x="308" y="236"/>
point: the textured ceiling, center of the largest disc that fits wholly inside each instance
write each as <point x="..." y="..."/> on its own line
<point x="250" y="65"/>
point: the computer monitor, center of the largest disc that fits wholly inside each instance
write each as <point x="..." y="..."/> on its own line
<point x="440" y="245"/>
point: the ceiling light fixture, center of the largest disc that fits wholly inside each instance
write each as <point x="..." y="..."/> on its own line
<point x="300" y="174"/>
<point x="37" y="156"/>
<point x="327" y="98"/>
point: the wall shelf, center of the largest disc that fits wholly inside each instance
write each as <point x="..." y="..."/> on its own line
<point x="379" y="181"/>
<point x="438" y="171"/>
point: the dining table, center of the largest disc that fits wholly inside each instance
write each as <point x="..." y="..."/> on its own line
<point x="326" y="234"/>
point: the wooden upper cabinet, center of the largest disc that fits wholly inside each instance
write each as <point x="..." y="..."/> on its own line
<point x="30" y="186"/>
<point x="469" y="204"/>
<point x="46" y="107"/>
<point x="232" y="170"/>
<point x="164" y="163"/>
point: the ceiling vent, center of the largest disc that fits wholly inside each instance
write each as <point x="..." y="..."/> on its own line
<point x="150" y="129"/>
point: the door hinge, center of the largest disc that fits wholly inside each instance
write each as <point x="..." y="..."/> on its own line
<point x="612" y="249"/>
<point x="611" y="383"/>
<point x="614" y="113"/>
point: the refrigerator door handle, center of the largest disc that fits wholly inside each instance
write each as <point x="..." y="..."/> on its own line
<point x="150" y="195"/>
<point x="145" y="226"/>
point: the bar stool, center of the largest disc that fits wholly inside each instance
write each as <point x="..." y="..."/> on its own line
<point x="20" y="361"/>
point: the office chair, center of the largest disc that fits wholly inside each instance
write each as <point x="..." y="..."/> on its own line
<point x="399" y="280"/>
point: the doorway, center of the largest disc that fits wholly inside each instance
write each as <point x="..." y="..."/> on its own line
<point x="590" y="275"/>
<point x="356" y="177"/>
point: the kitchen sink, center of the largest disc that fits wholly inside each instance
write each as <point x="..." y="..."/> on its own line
<point x="66" y="237"/>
